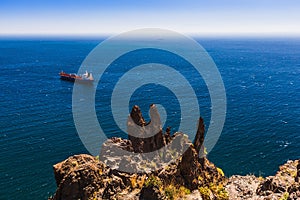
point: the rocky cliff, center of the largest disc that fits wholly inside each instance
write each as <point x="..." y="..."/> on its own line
<point x="155" y="164"/>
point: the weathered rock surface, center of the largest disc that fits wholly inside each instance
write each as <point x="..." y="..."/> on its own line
<point x="281" y="186"/>
<point x="297" y="178"/>
<point x="145" y="137"/>
<point x="153" y="164"/>
<point x="243" y="187"/>
<point x="79" y="177"/>
<point x="283" y="183"/>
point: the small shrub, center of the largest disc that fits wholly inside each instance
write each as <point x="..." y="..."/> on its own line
<point x="170" y="192"/>
<point x="285" y="196"/>
<point x="200" y="179"/>
<point x="260" y="178"/>
<point x="222" y="194"/>
<point x="183" y="190"/>
<point x="153" y="181"/>
<point x="205" y="192"/>
<point x="220" y="171"/>
<point x="219" y="191"/>
<point x="173" y="192"/>
<point x="205" y="151"/>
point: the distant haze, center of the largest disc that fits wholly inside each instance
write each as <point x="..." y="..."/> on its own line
<point x="209" y="17"/>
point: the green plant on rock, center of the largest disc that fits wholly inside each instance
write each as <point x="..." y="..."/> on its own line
<point x="205" y="192"/>
<point x="173" y="192"/>
<point x="170" y="192"/>
<point x="153" y="181"/>
<point x="260" y="178"/>
<point x="285" y="196"/>
<point x="222" y="194"/>
<point x="220" y="171"/>
<point x="205" y="151"/>
<point x="184" y="190"/>
<point x="219" y="191"/>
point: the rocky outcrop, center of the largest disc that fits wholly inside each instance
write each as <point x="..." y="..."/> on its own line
<point x="199" y="138"/>
<point x="191" y="160"/>
<point x="281" y="186"/>
<point x="153" y="164"/>
<point x="150" y="164"/>
<point x="242" y="187"/>
<point x="79" y="177"/>
<point x="283" y="183"/>
<point x="145" y="137"/>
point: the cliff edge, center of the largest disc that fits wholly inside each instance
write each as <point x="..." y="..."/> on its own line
<point x="155" y="164"/>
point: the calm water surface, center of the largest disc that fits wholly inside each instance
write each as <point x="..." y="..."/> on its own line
<point x="261" y="78"/>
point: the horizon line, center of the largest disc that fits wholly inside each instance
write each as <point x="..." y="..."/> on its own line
<point x="190" y="34"/>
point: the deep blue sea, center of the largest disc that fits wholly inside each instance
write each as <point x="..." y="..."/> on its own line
<point x="261" y="132"/>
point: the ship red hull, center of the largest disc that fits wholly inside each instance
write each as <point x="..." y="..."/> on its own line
<point x="73" y="77"/>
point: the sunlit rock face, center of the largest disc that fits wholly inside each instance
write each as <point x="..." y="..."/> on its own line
<point x="157" y="164"/>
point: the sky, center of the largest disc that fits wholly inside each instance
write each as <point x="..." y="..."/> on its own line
<point x="200" y="17"/>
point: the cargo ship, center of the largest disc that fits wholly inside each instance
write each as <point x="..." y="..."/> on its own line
<point x="85" y="78"/>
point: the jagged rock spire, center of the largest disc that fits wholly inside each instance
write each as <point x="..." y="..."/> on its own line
<point x="145" y="137"/>
<point x="190" y="159"/>
<point x="199" y="138"/>
<point x="136" y="116"/>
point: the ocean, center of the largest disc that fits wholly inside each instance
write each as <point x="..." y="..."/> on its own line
<point x="261" y="131"/>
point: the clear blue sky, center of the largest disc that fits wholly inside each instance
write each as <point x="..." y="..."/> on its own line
<point x="263" y="17"/>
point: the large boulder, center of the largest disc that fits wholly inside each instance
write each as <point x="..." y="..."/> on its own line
<point x="79" y="177"/>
